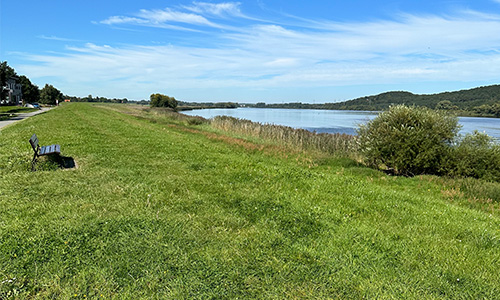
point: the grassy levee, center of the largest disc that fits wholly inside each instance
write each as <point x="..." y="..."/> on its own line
<point x="158" y="209"/>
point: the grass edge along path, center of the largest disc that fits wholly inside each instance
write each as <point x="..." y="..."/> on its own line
<point x="159" y="210"/>
<point x="8" y="112"/>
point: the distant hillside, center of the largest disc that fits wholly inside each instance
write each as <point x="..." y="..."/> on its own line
<point x="481" y="101"/>
<point x="464" y="99"/>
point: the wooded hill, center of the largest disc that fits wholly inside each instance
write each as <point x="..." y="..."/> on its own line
<point x="481" y="101"/>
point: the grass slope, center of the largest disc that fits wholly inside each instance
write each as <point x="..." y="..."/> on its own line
<point x="157" y="209"/>
<point x="6" y="112"/>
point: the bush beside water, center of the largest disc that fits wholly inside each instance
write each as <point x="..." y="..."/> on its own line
<point x="404" y="140"/>
<point x="417" y="140"/>
<point x="476" y="155"/>
<point x="408" y="140"/>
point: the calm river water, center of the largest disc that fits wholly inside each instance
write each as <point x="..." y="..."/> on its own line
<point x="330" y="121"/>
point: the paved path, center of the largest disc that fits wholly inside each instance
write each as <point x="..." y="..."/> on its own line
<point x="19" y="117"/>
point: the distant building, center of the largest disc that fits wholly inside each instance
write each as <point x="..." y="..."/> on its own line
<point x="67" y="100"/>
<point x="14" y="92"/>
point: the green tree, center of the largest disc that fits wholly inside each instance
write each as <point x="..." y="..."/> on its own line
<point x="31" y="92"/>
<point x="488" y="110"/>
<point x="159" y="100"/>
<point x="49" y="94"/>
<point x="6" y="72"/>
<point x="445" y="105"/>
<point x="495" y="108"/>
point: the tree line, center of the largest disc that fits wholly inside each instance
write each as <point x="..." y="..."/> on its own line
<point x="481" y="101"/>
<point x="160" y="100"/>
<point x="204" y="105"/>
<point x="91" y="98"/>
<point x="31" y="93"/>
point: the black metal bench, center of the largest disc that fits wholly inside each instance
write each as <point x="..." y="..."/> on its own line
<point x="42" y="150"/>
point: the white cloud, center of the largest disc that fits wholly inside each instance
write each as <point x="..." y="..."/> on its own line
<point x="168" y="15"/>
<point x="161" y="18"/>
<point x="122" y="20"/>
<point x="412" y="49"/>
<point x="164" y="17"/>
<point x="413" y="34"/>
<point x="56" y="38"/>
<point x="282" y="62"/>
<point x="219" y="9"/>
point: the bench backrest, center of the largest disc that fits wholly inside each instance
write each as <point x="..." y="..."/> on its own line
<point x="34" y="142"/>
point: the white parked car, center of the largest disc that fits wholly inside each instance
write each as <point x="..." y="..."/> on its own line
<point x="32" y="105"/>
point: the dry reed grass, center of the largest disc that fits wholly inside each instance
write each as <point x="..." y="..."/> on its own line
<point x="335" y="144"/>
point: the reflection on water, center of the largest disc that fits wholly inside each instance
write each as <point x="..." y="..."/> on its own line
<point x="330" y="121"/>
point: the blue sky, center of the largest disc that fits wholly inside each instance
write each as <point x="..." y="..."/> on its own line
<point x="252" y="50"/>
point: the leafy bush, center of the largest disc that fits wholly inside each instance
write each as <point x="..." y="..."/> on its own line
<point x="417" y="140"/>
<point x="476" y="155"/>
<point x="408" y="140"/>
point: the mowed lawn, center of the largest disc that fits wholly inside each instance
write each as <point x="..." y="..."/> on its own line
<point x="158" y="209"/>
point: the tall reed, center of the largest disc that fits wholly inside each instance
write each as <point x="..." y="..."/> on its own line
<point x="339" y="144"/>
<point x="160" y="113"/>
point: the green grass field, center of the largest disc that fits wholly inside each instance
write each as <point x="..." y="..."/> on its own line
<point x="7" y="111"/>
<point x="16" y="109"/>
<point x="159" y="209"/>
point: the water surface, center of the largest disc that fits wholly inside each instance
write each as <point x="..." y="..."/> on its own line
<point x="330" y="121"/>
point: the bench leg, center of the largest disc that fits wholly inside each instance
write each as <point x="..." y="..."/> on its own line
<point x="33" y="162"/>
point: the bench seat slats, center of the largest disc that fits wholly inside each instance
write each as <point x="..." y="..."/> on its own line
<point x="45" y="150"/>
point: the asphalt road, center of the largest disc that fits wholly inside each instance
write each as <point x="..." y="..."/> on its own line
<point x="20" y="117"/>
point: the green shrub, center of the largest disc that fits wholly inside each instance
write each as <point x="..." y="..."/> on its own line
<point x="476" y="155"/>
<point x="408" y="140"/>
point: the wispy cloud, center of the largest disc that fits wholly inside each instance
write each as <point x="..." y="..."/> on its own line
<point x="56" y="38"/>
<point x="410" y="48"/>
<point x="216" y="9"/>
<point x="169" y="15"/>
<point x="123" y="20"/>
<point x="196" y="14"/>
